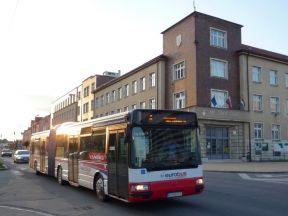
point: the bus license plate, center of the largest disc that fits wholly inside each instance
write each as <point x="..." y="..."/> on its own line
<point x="174" y="194"/>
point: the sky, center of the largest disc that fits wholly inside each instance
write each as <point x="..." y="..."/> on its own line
<point x="48" y="47"/>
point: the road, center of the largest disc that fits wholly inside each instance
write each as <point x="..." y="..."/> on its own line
<point x="24" y="193"/>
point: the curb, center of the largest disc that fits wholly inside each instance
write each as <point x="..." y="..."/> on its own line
<point x="247" y="171"/>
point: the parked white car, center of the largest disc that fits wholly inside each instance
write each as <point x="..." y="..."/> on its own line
<point x="21" y="156"/>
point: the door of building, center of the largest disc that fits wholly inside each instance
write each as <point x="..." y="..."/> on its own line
<point x="217" y="143"/>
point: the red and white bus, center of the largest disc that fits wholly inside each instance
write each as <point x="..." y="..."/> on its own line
<point x="141" y="155"/>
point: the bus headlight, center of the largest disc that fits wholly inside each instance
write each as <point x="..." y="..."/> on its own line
<point x="139" y="187"/>
<point x="199" y="182"/>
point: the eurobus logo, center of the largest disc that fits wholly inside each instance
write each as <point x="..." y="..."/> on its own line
<point x="174" y="175"/>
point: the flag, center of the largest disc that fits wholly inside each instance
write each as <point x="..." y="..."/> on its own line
<point x="229" y="102"/>
<point x="242" y="104"/>
<point x="213" y="101"/>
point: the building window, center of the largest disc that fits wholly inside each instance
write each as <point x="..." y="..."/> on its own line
<point x="273" y="77"/>
<point x="219" y="68"/>
<point x="126" y="90"/>
<point x="118" y="110"/>
<point x="219" y="98"/>
<point x="86" y="91"/>
<point x="142" y="84"/>
<point x="152" y="80"/>
<point x="92" y="105"/>
<point x="257" y="103"/>
<point x="287" y="106"/>
<point x="218" y="38"/>
<point x="286" y="80"/>
<point x="119" y="93"/>
<point x="275" y="132"/>
<point x="152" y="103"/>
<point x="179" y="100"/>
<point x="142" y="105"/>
<point x="134" y="106"/>
<point x="93" y="86"/>
<point x="86" y="108"/>
<point x="179" y="70"/>
<point x="107" y="98"/>
<point x="256" y="74"/>
<point x="113" y="96"/>
<point x="102" y="100"/>
<point x="134" y="87"/>
<point x="274" y="104"/>
<point x="258" y="131"/>
<point x="96" y="102"/>
<point x="125" y="109"/>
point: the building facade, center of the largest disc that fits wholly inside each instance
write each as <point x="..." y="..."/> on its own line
<point x="202" y="76"/>
<point x="86" y="107"/>
<point x="143" y="87"/>
<point x="65" y="108"/>
<point x="264" y="91"/>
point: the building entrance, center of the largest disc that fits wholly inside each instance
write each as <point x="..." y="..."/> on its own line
<point x="217" y="143"/>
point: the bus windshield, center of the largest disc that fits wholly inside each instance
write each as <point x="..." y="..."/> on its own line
<point x="164" y="148"/>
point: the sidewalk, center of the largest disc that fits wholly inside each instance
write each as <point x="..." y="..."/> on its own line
<point x="238" y="166"/>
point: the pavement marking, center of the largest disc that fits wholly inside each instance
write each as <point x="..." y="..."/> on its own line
<point x="26" y="210"/>
<point x="266" y="178"/>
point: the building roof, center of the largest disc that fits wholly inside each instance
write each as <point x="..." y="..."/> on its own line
<point x="249" y="50"/>
<point x="152" y="61"/>
<point x="195" y="14"/>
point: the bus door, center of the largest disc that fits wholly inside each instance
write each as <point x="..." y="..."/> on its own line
<point x="117" y="164"/>
<point x="42" y="155"/>
<point x="73" y="159"/>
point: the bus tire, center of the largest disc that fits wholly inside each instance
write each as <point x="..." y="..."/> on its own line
<point x="59" y="176"/>
<point x="35" y="168"/>
<point x="99" y="189"/>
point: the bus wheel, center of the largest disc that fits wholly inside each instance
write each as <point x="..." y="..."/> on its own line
<point x="59" y="176"/>
<point x="99" y="188"/>
<point x="35" y="168"/>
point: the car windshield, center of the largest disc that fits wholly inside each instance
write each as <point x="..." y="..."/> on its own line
<point x="22" y="152"/>
<point x="164" y="148"/>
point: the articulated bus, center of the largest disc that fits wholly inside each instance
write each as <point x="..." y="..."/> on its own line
<point x="136" y="156"/>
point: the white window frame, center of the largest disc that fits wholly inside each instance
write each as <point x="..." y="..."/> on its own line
<point x="216" y="38"/>
<point x="226" y="95"/>
<point x="113" y="96"/>
<point x="260" y="102"/>
<point x="120" y="93"/>
<point x="152" y="103"/>
<point x="143" y="105"/>
<point x="134" y="87"/>
<point x="126" y="90"/>
<point x="256" y="73"/>
<point x="107" y="98"/>
<point x="286" y="80"/>
<point x="179" y="70"/>
<point x="258" y="129"/>
<point x="133" y="106"/>
<point x="125" y="109"/>
<point x="213" y="69"/>
<point x="274" y="78"/>
<point x="274" y="104"/>
<point x="179" y="100"/>
<point x="143" y="83"/>
<point x="275" y="130"/>
<point x="152" y="80"/>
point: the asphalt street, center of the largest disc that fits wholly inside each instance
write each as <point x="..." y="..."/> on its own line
<point x="24" y="193"/>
